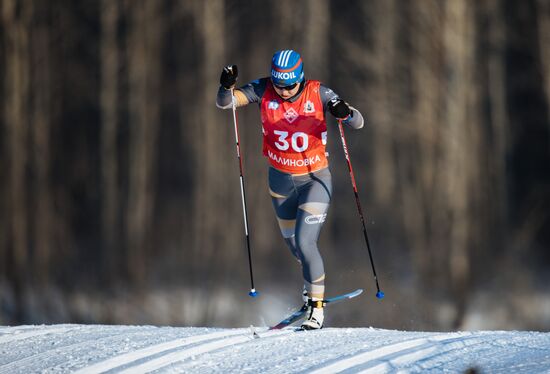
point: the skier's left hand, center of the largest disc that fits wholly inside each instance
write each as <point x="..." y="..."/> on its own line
<point x="339" y="108"/>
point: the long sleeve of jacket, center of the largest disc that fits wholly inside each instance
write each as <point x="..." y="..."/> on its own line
<point x="355" y="120"/>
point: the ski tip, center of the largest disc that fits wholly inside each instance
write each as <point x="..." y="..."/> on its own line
<point x="380" y="295"/>
<point x="355" y="293"/>
<point x="253" y="293"/>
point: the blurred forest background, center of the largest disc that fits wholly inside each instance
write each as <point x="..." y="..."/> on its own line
<point x="119" y="191"/>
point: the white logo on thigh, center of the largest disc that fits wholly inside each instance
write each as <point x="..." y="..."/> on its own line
<point x="315" y="219"/>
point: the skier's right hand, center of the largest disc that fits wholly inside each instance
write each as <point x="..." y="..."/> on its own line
<point x="229" y="76"/>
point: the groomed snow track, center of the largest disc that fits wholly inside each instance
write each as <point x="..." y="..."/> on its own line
<point x="145" y="349"/>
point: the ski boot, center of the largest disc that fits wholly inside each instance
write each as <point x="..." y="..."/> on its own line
<point x="315" y="316"/>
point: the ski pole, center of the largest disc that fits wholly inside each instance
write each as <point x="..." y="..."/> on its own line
<point x="253" y="292"/>
<point x="379" y="294"/>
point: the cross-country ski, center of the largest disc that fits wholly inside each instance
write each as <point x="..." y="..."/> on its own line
<point x="301" y="313"/>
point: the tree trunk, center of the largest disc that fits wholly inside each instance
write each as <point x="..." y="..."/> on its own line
<point x="144" y="45"/>
<point x="462" y="139"/>
<point x="498" y="127"/>
<point x="543" y="20"/>
<point x="316" y="38"/>
<point x="109" y="161"/>
<point x="421" y="163"/>
<point x="210" y="139"/>
<point x="382" y="121"/>
<point x="16" y="19"/>
<point x="43" y="214"/>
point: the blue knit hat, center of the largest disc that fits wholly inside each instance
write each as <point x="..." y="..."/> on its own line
<point x="286" y="68"/>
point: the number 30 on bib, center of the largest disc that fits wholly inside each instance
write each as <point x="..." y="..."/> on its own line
<point x="296" y="139"/>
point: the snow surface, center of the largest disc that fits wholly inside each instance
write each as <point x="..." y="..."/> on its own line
<point x="143" y="349"/>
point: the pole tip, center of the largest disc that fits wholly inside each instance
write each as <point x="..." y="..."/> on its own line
<point x="253" y="293"/>
<point x="380" y="295"/>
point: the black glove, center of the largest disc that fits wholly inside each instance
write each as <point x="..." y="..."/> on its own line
<point x="229" y="76"/>
<point x="339" y="108"/>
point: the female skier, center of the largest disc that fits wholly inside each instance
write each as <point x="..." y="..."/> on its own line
<point x="294" y="130"/>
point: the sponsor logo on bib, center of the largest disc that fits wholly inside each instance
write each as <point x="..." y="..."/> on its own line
<point x="309" y="107"/>
<point x="291" y="115"/>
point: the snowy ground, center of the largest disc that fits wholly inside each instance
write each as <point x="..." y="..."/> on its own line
<point x="140" y="349"/>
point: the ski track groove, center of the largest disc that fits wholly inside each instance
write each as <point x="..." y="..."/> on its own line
<point x="178" y="356"/>
<point x="150" y="351"/>
<point x="17" y="335"/>
<point x="7" y="330"/>
<point x="408" y="347"/>
<point x="414" y="360"/>
<point x="297" y="344"/>
<point x="459" y="344"/>
<point x="15" y="365"/>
